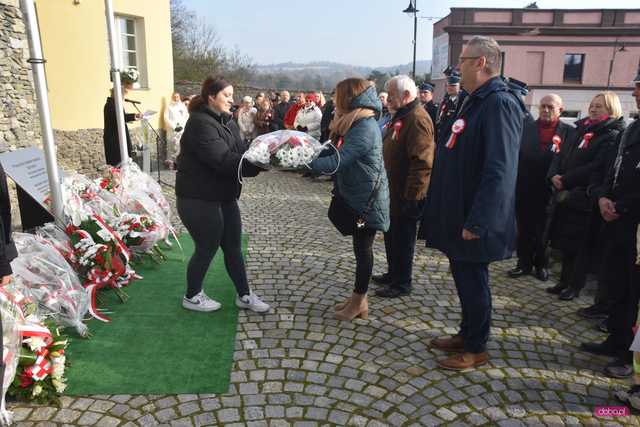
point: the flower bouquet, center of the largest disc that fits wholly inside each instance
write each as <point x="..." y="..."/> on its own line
<point x="141" y="233"/>
<point x="284" y="150"/>
<point x="103" y="260"/>
<point x="11" y="342"/>
<point x="44" y="274"/>
<point x="41" y="364"/>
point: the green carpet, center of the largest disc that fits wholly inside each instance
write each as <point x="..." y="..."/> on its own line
<point x="153" y="345"/>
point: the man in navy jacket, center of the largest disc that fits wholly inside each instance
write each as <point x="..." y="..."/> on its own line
<point x="470" y="212"/>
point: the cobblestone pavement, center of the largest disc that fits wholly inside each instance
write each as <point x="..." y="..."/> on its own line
<point x="298" y="366"/>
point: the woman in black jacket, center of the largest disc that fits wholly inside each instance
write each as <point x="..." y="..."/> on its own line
<point x="571" y="172"/>
<point x="207" y="191"/>
<point x="110" y="134"/>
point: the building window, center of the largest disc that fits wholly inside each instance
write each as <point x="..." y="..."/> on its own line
<point x="573" y="64"/>
<point x="131" y="43"/>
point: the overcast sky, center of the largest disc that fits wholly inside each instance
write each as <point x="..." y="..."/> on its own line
<point x="359" y="32"/>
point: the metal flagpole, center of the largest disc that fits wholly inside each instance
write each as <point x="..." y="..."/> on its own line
<point x="115" y="78"/>
<point x="39" y="80"/>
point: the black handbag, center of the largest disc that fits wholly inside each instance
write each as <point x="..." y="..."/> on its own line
<point x="344" y="218"/>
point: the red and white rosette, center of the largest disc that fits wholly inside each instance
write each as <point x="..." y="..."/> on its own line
<point x="396" y="130"/>
<point x="555" y="146"/>
<point x="585" y="140"/>
<point x="456" y="129"/>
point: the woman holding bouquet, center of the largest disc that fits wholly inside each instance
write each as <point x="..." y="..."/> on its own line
<point x="361" y="181"/>
<point x="207" y="191"/>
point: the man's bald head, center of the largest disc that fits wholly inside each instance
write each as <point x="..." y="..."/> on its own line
<point x="551" y="106"/>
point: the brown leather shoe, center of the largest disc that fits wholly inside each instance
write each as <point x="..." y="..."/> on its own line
<point x="463" y="361"/>
<point x="453" y="343"/>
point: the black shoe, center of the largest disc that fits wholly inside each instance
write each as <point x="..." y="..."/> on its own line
<point x="601" y="348"/>
<point x="602" y="326"/>
<point x="392" y="292"/>
<point x="619" y="369"/>
<point x="518" y="272"/>
<point x="557" y="289"/>
<point x="542" y="274"/>
<point x="595" y="311"/>
<point x="569" y="294"/>
<point x="382" y="279"/>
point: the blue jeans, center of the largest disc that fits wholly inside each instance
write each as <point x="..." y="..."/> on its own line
<point x="472" y="283"/>
<point x="400" y="246"/>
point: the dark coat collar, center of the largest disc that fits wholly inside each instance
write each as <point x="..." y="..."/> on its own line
<point x="494" y="84"/>
<point x="404" y="111"/>
<point x="222" y="118"/>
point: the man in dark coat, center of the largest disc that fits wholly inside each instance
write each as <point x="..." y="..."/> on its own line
<point x="541" y="140"/>
<point x="110" y="133"/>
<point x="408" y="149"/>
<point x="619" y="204"/>
<point x="470" y="213"/>
<point x="450" y="102"/>
<point x="426" y="99"/>
<point x="280" y="110"/>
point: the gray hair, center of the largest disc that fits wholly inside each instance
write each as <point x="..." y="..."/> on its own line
<point x="402" y="83"/>
<point x="555" y="98"/>
<point x="490" y="49"/>
<point x="247" y="99"/>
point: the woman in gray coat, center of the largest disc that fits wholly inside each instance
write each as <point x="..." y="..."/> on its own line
<point x="361" y="181"/>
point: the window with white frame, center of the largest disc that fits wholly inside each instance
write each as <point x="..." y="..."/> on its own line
<point x="131" y="43"/>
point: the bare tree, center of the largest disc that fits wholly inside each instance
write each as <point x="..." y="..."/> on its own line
<point x="198" y="50"/>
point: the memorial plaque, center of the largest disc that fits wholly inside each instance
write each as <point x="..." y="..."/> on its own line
<point x="27" y="168"/>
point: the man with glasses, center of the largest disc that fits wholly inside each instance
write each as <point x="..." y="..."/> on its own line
<point x="541" y="140"/>
<point x="470" y="213"/>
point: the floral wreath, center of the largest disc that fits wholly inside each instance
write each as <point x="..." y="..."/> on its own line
<point x="129" y="76"/>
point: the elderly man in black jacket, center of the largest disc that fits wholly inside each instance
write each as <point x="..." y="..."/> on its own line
<point x="541" y="140"/>
<point x="619" y="204"/>
<point x="470" y="212"/>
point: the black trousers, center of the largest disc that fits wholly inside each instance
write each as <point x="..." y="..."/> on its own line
<point x="624" y="293"/>
<point x="400" y="246"/>
<point x="574" y="268"/>
<point x="363" y="251"/>
<point x="213" y="225"/>
<point x="531" y="249"/>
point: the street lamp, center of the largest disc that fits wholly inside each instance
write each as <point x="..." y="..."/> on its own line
<point x="413" y="9"/>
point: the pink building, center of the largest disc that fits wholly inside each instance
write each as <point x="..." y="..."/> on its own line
<point x="574" y="53"/>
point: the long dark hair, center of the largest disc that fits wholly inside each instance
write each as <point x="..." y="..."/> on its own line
<point x="210" y="86"/>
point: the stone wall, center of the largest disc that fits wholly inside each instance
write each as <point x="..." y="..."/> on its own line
<point x="80" y="151"/>
<point x="19" y="126"/>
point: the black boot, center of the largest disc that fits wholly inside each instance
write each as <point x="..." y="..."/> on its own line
<point x="569" y="294"/>
<point x="557" y="289"/>
<point x="382" y="279"/>
<point x="542" y="274"/>
<point x="601" y="348"/>
<point x="518" y="272"/>
<point x="595" y="311"/>
<point x="393" y="292"/>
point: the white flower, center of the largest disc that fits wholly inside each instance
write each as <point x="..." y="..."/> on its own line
<point x="58" y="367"/>
<point x="37" y="389"/>
<point x="104" y="235"/>
<point x="59" y="385"/>
<point x="35" y="343"/>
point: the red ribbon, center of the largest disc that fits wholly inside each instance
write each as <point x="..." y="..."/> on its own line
<point x="585" y="140"/>
<point x="396" y="130"/>
<point x="340" y="142"/>
<point x="456" y="129"/>
<point x="555" y="147"/>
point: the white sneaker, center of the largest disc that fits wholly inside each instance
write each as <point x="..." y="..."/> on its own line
<point x="252" y="302"/>
<point x="200" y="302"/>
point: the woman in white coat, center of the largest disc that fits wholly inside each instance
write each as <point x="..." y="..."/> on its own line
<point x="175" y="117"/>
<point x="309" y="117"/>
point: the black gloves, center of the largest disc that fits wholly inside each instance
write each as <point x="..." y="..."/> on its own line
<point x="302" y="129"/>
<point x="178" y="128"/>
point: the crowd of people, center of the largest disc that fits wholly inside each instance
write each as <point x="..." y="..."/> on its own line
<point x="476" y="177"/>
